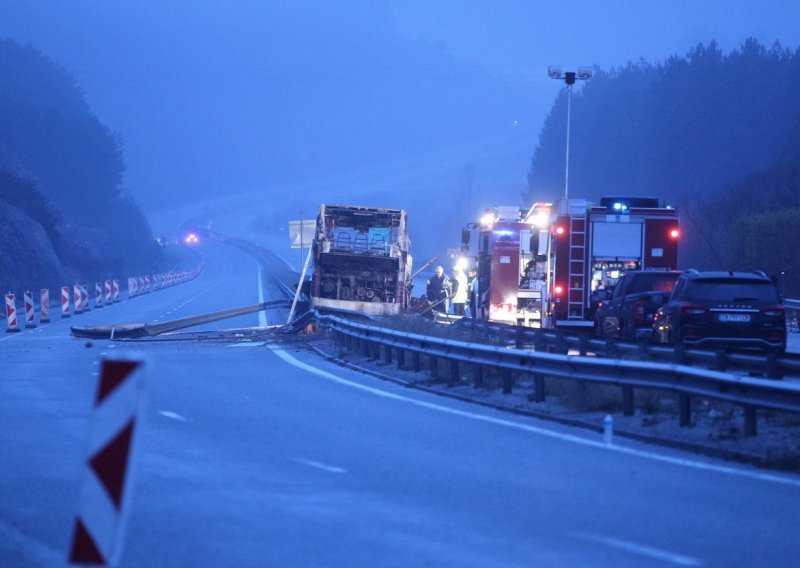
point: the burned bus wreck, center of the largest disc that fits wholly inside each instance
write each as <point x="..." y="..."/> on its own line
<point x="361" y="260"/>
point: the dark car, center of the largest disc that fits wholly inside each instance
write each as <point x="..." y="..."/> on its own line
<point x="630" y="309"/>
<point x="723" y="309"/>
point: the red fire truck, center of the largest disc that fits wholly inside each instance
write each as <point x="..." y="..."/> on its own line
<point x="511" y="261"/>
<point x="545" y="266"/>
<point x="592" y="245"/>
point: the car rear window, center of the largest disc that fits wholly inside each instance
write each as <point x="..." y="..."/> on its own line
<point x="655" y="282"/>
<point x="729" y="290"/>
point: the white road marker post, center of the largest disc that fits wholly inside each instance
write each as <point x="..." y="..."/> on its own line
<point x="99" y="529"/>
<point x="608" y="430"/>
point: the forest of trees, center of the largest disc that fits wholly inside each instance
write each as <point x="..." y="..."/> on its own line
<point x="716" y="135"/>
<point x="63" y="169"/>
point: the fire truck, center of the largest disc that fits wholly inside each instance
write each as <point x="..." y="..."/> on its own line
<point x="511" y="262"/>
<point x="548" y="265"/>
<point x="362" y="259"/>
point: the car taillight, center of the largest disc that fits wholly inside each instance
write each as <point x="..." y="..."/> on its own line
<point x="638" y="311"/>
<point x="558" y="290"/>
<point x="693" y="310"/>
<point x="773" y="311"/>
<point x="775" y="335"/>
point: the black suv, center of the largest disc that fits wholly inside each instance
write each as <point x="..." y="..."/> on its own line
<point x="723" y="309"/>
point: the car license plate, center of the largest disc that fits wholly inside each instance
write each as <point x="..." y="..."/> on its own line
<point x="734" y="318"/>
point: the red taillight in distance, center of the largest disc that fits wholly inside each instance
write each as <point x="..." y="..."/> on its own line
<point x="674" y="233"/>
<point x="560" y="231"/>
<point x="558" y="290"/>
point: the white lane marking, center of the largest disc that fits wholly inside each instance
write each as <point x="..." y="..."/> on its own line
<point x="173" y="415"/>
<point x="262" y="315"/>
<point x="248" y="344"/>
<point x="640" y="549"/>
<point x="318" y="465"/>
<point x="795" y="482"/>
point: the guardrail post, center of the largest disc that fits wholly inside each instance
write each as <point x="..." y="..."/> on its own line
<point x="364" y="348"/>
<point x="477" y="375"/>
<point x="341" y="339"/>
<point x="416" y="364"/>
<point x="680" y="354"/>
<point x="773" y="369"/>
<point x="721" y="362"/>
<point x="387" y="354"/>
<point x="538" y="342"/>
<point x="684" y="410"/>
<point x="538" y="388"/>
<point x="643" y="350"/>
<point x="454" y="379"/>
<point x="750" y="420"/>
<point x="583" y="344"/>
<point x="519" y="338"/>
<point x="627" y="401"/>
<point x="401" y="358"/>
<point x="561" y="344"/>
<point x="434" y="367"/>
<point x="505" y="374"/>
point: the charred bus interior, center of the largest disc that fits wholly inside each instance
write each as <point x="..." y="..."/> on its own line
<point x="361" y="255"/>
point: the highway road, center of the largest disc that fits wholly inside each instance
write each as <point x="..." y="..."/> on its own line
<point x="263" y="454"/>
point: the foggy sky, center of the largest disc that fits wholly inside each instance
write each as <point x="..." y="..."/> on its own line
<point x="224" y="96"/>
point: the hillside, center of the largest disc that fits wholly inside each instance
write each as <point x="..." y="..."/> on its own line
<point x="65" y="212"/>
<point x="714" y="134"/>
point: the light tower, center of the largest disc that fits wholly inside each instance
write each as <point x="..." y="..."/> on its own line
<point x="569" y="78"/>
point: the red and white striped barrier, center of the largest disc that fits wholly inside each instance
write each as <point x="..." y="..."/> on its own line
<point x="44" y="305"/>
<point x="85" y="297"/>
<point x="98" y="294"/>
<point x="98" y="533"/>
<point x="11" y="313"/>
<point x="65" y="301"/>
<point x="30" y="316"/>
<point x="76" y="298"/>
<point x="109" y="299"/>
<point x="140" y="285"/>
<point x="146" y="283"/>
<point x="115" y="289"/>
<point x="131" y="287"/>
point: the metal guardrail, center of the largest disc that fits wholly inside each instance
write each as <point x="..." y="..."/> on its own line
<point x="684" y="380"/>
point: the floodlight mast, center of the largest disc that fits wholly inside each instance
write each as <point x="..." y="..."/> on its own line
<point x="569" y="78"/>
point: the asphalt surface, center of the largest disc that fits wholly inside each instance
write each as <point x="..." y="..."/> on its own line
<point x="255" y="454"/>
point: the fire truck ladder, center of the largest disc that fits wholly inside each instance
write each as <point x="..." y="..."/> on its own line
<point x="577" y="262"/>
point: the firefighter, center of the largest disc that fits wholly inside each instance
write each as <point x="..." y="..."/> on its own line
<point x="437" y="290"/>
<point x="459" y="293"/>
<point x="472" y="288"/>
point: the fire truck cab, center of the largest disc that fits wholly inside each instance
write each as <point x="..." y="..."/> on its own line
<point x="592" y="245"/>
<point x="512" y="264"/>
